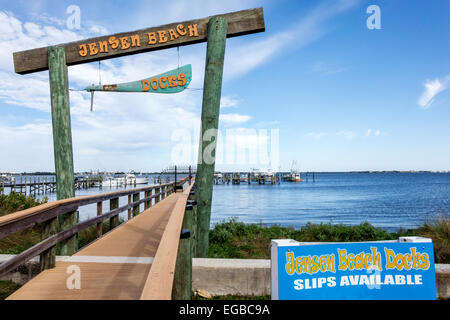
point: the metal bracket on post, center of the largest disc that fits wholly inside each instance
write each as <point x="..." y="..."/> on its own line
<point x="185" y="234"/>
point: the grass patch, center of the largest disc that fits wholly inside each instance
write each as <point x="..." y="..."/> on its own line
<point x="7" y="288"/>
<point x="439" y="231"/>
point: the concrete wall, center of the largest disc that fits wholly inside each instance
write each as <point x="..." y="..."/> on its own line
<point x="248" y="277"/>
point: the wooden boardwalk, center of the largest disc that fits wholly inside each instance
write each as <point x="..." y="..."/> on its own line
<point x="116" y="266"/>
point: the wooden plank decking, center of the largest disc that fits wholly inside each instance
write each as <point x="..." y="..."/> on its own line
<point x="115" y="266"/>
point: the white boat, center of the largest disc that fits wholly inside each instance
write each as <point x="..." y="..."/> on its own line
<point x="6" y="178"/>
<point x="266" y="174"/>
<point x="110" y="181"/>
<point x="294" y="175"/>
<point x="132" y="179"/>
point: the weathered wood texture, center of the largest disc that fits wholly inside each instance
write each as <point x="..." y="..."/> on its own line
<point x="212" y="88"/>
<point x="239" y="23"/>
<point x="113" y="221"/>
<point x="62" y="140"/>
<point x="182" y="282"/>
<point x="49" y="212"/>
<point x="139" y="237"/>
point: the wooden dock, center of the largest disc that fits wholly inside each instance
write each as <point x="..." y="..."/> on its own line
<point x="119" y="264"/>
<point x="43" y="185"/>
<point x="246" y="178"/>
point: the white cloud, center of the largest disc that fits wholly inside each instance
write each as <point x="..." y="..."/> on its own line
<point x="347" y="134"/>
<point x="432" y="88"/>
<point x="130" y="130"/>
<point x="374" y="133"/>
<point x="228" y="102"/>
<point x="234" y="118"/>
<point x="317" y="135"/>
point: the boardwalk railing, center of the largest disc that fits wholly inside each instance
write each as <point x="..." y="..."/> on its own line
<point x="47" y="214"/>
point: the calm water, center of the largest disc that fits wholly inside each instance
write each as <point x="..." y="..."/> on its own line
<point x="387" y="200"/>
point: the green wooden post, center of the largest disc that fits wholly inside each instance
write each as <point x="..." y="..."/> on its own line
<point x="182" y="282"/>
<point x="194" y="226"/>
<point x="62" y="140"/>
<point x="215" y="53"/>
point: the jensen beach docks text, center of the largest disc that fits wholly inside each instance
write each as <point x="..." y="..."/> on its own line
<point x="127" y="42"/>
<point x="369" y="261"/>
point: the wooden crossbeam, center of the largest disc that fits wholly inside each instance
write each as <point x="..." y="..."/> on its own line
<point x="139" y="41"/>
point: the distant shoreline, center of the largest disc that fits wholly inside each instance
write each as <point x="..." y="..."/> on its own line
<point x="44" y="173"/>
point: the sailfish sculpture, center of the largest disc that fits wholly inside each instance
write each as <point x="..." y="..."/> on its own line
<point x="172" y="81"/>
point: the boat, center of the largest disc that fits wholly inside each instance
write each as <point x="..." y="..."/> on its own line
<point x="294" y="175"/>
<point x="265" y="174"/>
<point x="130" y="178"/>
<point x="6" y="178"/>
<point x="110" y="181"/>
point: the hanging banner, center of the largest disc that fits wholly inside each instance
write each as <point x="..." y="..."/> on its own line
<point x="172" y="81"/>
<point x="389" y="270"/>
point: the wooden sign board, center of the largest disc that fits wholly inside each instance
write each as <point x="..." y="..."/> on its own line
<point x="172" y="81"/>
<point x="139" y="41"/>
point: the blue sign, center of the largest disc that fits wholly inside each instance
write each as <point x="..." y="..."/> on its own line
<point x="353" y="271"/>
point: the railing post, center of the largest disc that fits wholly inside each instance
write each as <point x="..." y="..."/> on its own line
<point x="182" y="282"/>
<point x="62" y="142"/>
<point x="194" y="236"/>
<point x="175" y="178"/>
<point x="129" y="210"/>
<point x="157" y="190"/>
<point x="215" y="53"/>
<point x="100" y="224"/>
<point x="136" y="197"/>
<point x="149" y="202"/>
<point x="113" y="221"/>
<point x="48" y="257"/>
<point x="163" y="192"/>
<point x="190" y="175"/>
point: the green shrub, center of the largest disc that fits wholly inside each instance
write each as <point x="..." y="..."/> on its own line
<point x="16" y="201"/>
<point x="439" y="231"/>
<point x="25" y="239"/>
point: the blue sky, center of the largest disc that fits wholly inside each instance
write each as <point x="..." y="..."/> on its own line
<point x="336" y="95"/>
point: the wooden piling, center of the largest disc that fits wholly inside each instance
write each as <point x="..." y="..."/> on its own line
<point x="129" y="210"/>
<point x="62" y="141"/>
<point x="100" y="224"/>
<point x="136" y="197"/>
<point x="215" y="52"/>
<point x="114" y="221"/>
<point x="182" y="282"/>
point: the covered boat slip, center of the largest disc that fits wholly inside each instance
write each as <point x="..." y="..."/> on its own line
<point x="119" y="265"/>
